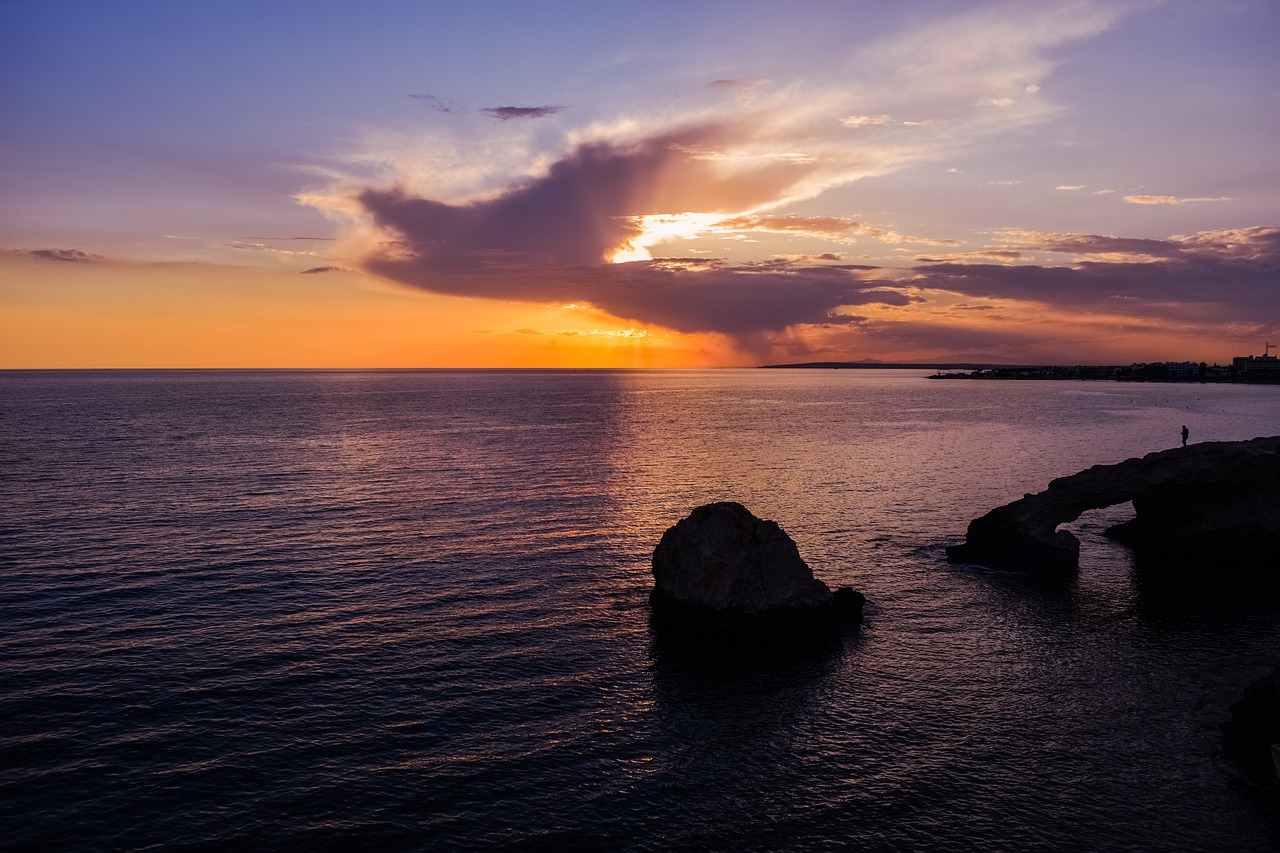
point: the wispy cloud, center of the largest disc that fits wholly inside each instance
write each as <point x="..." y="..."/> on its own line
<point x="317" y="270"/>
<point x="1166" y="199"/>
<point x="258" y="246"/>
<point x="825" y="227"/>
<point x="998" y="255"/>
<point x="74" y="256"/>
<point x="509" y="113"/>
<point x="739" y="84"/>
<point x="288" y="239"/>
<point x="440" y="105"/>
<point x="866" y="121"/>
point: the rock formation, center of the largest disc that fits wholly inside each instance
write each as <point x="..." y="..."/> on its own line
<point x="724" y="568"/>
<point x="1216" y="502"/>
<point x="1252" y="734"/>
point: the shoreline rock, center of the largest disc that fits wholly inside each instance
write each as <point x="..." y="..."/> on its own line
<point x="1252" y="735"/>
<point x="1195" y="504"/>
<point x="724" y="570"/>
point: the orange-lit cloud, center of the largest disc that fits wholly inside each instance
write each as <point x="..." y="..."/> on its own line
<point x="833" y="228"/>
<point x="1166" y="199"/>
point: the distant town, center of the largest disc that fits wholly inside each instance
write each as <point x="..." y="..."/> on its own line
<point x="1263" y="368"/>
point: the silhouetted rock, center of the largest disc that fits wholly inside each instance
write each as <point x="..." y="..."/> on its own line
<point x="848" y="602"/>
<point x="1213" y="503"/>
<point x="725" y="569"/>
<point x="1252" y="735"/>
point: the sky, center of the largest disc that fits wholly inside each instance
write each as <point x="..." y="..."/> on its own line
<point x="692" y="184"/>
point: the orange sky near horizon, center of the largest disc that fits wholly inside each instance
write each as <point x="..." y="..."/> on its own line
<point x="198" y="316"/>
<point x="192" y="315"/>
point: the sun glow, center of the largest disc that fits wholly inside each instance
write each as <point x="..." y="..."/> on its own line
<point x="662" y="228"/>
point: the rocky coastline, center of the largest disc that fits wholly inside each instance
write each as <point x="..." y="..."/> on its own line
<point x="1215" y="504"/>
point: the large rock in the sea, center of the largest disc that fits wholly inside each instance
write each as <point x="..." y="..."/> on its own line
<point x="723" y="567"/>
<point x="1216" y="503"/>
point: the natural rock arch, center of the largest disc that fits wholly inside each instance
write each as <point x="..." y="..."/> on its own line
<point x="1205" y="501"/>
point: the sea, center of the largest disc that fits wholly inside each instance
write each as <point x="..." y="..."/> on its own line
<point x="408" y="610"/>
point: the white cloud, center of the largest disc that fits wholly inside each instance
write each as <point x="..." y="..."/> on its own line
<point x="865" y="121"/>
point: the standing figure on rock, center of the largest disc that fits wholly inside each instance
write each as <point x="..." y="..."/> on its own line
<point x="1185" y="432"/>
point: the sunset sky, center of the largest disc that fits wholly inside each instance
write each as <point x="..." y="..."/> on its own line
<point x="668" y="184"/>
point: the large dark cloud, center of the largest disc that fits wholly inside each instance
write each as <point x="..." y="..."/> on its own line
<point x="1216" y="276"/>
<point x="737" y="300"/>
<point x="549" y="239"/>
<point x="583" y="208"/>
<point x="681" y="294"/>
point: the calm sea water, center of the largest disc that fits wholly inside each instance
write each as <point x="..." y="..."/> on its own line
<point x="408" y="610"/>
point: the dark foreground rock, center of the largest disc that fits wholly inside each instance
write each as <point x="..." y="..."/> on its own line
<point x="1252" y="735"/>
<point x="725" y="570"/>
<point x="1215" y="504"/>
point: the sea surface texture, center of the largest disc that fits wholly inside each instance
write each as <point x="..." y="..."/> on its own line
<point x="408" y="611"/>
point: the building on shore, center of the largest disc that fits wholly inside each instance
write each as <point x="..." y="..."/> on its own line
<point x="1253" y="368"/>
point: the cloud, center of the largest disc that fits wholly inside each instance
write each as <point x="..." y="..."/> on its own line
<point x="824" y="227"/>
<point x="683" y="294"/>
<point x="1004" y="255"/>
<point x="315" y="270"/>
<point x="439" y="105"/>
<point x="508" y="113"/>
<point x="749" y="84"/>
<point x="642" y="336"/>
<point x="1213" y="276"/>
<point x="517" y="217"/>
<point x="1151" y="199"/>
<point x="1258" y="243"/>
<point x="865" y="121"/>
<point x="288" y="239"/>
<point x="1166" y="199"/>
<point x="74" y="256"/>
<point x="258" y="246"/>
<point x="1069" y="187"/>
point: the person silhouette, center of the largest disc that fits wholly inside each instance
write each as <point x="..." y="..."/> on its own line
<point x="1185" y="432"/>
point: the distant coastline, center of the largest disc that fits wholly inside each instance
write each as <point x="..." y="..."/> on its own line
<point x="1263" y="371"/>
<point x="879" y="365"/>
